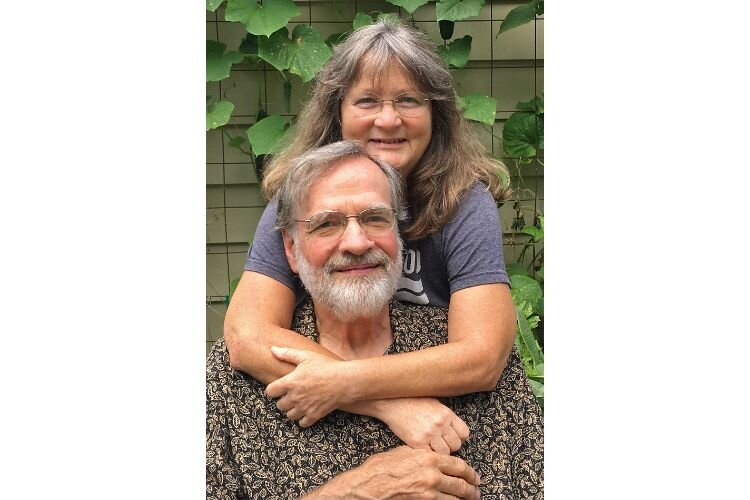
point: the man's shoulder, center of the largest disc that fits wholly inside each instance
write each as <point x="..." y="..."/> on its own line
<point x="417" y="326"/>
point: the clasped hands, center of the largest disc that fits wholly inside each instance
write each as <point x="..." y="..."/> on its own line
<point x="318" y="385"/>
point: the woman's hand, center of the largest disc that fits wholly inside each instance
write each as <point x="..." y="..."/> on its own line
<point x="424" y="423"/>
<point x="315" y="387"/>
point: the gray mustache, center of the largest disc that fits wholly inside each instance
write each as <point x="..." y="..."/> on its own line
<point x="372" y="257"/>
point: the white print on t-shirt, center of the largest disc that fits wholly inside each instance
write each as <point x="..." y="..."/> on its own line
<point x="410" y="287"/>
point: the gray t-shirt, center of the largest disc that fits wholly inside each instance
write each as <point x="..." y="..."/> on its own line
<point x="466" y="252"/>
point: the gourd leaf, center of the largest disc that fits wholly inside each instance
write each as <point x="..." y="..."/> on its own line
<point x="525" y="289"/>
<point x="533" y="231"/>
<point x="523" y="134"/>
<point x="237" y="141"/>
<point x="308" y="53"/>
<point x="218" y="114"/>
<point x="361" y="19"/>
<point x="457" y="52"/>
<point x="455" y="10"/>
<point x="516" y="269"/>
<point x="275" y="49"/>
<point x="535" y="105"/>
<point x="265" y="134"/>
<point x="409" y="5"/>
<point x="521" y="15"/>
<point x="479" y="108"/>
<point x="218" y="63"/>
<point x="261" y="19"/>
<point x="528" y="348"/>
<point x="304" y="55"/>
<point x="212" y="5"/>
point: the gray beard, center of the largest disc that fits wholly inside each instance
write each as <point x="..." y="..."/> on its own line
<point x="352" y="297"/>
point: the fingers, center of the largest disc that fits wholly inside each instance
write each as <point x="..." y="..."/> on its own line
<point x="457" y="468"/>
<point x="276" y="389"/>
<point x="288" y="354"/>
<point x="452" y="439"/>
<point x="461" y="429"/>
<point x="439" y="445"/>
<point x="458" y="488"/>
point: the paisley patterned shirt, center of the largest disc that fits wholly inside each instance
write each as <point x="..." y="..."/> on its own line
<point x="254" y="451"/>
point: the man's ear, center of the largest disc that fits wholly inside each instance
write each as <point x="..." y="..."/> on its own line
<point x="289" y="250"/>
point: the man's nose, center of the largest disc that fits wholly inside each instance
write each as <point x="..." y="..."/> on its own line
<point x="355" y="239"/>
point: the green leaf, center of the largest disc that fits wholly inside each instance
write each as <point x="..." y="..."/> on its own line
<point x="478" y="107"/>
<point x="237" y="141"/>
<point x="219" y="64"/>
<point x="212" y="5"/>
<point x="308" y="52"/>
<point x="538" y="389"/>
<point x="336" y="38"/>
<point x="455" y="10"/>
<point x="261" y="19"/>
<point x="519" y="16"/>
<point x="265" y="135"/>
<point x="516" y="269"/>
<point x="360" y="20"/>
<point x="523" y="134"/>
<point x="304" y="55"/>
<point x="525" y="289"/>
<point x="535" y="105"/>
<point x="409" y="5"/>
<point x="457" y="52"/>
<point x="533" y="231"/>
<point x="218" y="114"/>
<point x="275" y="49"/>
<point x="528" y="347"/>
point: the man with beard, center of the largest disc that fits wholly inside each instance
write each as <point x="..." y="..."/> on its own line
<point x="337" y="211"/>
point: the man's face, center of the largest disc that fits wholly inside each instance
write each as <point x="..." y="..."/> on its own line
<point x="355" y="273"/>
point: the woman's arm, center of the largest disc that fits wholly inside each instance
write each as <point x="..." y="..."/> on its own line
<point x="259" y="316"/>
<point x="481" y="331"/>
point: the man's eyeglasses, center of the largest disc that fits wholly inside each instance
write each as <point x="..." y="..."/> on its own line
<point x="406" y="104"/>
<point x="331" y="224"/>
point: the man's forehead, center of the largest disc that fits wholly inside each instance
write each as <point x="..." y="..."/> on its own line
<point x="355" y="179"/>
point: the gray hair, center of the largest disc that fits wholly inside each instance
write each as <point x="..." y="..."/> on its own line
<point x="306" y="169"/>
<point x="454" y="159"/>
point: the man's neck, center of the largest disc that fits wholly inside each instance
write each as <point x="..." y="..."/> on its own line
<point x="357" y="339"/>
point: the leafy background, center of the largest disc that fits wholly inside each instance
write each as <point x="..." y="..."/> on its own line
<point x="260" y="60"/>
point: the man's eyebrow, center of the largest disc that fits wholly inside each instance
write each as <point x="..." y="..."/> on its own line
<point x="379" y="204"/>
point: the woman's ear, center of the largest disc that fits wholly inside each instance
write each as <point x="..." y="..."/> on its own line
<point x="289" y="250"/>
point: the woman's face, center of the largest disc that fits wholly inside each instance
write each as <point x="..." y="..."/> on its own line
<point x="398" y="140"/>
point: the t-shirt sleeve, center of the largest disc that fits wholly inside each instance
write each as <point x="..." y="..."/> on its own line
<point x="473" y="242"/>
<point x="266" y="254"/>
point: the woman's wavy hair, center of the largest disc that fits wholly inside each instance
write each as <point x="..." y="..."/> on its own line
<point x="454" y="158"/>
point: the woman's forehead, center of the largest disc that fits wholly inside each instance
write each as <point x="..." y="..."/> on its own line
<point x="378" y="73"/>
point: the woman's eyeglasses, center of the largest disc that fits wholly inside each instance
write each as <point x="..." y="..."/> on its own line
<point x="406" y="104"/>
<point x="331" y="224"/>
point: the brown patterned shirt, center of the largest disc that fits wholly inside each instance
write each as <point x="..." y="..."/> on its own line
<point x="254" y="451"/>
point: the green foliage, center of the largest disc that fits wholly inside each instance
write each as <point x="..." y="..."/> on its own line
<point x="456" y="53"/>
<point x="523" y="133"/>
<point x="212" y="5"/>
<point x="479" y="108"/>
<point x="456" y="10"/>
<point x="219" y="63"/>
<point x="303" y="55"/>
<point x="521" y="15"/>
<point x="361" y="19"/>
<point x="217" y="114"/>
<point x="409" y="5"/>
<point x="265" y="135"/>
<point x="268" y="44"/>
<point x="261" y="19"/>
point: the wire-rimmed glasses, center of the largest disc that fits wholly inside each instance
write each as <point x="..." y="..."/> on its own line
<point x="407" y="104"/>
<point x="331" y="224"/>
